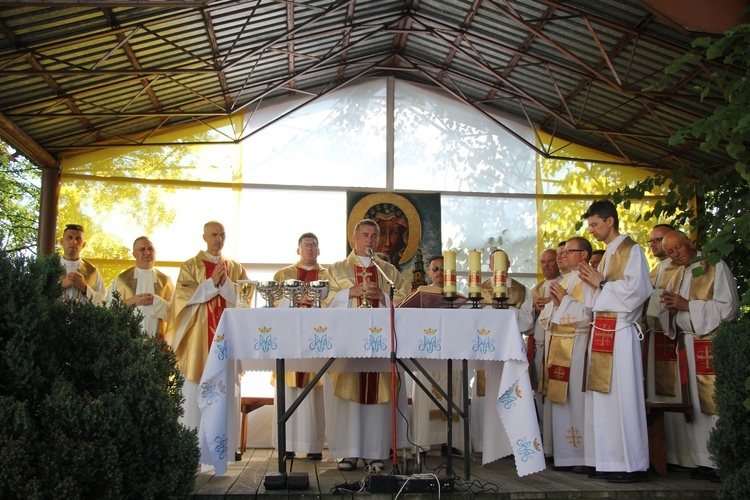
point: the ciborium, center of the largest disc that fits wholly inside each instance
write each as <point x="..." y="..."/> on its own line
<point x="245" y="295"/>
<point x="317" y="290"/>
<point x="293" y="290"/>
<point x="270" y="291"/>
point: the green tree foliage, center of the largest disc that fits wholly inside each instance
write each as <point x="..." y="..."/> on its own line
<point x="714" y="205"/>
<point x="729" y="125"/>
<point x="729" y="443"/>
<point x="89" y="403"/>
<point x="19" y="202"/>
<point x="131" y="184"/>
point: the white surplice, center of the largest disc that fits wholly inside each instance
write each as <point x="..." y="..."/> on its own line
<point x="615" y="431"/>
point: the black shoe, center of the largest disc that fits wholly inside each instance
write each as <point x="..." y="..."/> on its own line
<point x="237" y="456"/>
<point x="627" y="477"/>
<point x="563" y="468"/>
<point x="583" y="469"/>
<point x="597" y="474"/>
<point x="705" y="474"/>
<point x="289" y="455"/>
<point x="315" y="456"/>
<point x="454" y="451"/>
<point x="680" y="468"/>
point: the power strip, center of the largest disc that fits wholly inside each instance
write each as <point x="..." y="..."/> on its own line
<point x="385" y="483"/>
<point x="428" y="484"/>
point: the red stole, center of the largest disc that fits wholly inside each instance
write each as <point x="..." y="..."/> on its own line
<point x="368" y="381"/>
<point x="215" y="306"/>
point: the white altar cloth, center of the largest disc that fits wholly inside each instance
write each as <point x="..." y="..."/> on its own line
<point x="359" y="339"/>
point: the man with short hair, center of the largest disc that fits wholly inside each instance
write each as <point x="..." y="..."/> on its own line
<point x="82" y="280"/>
<point x="596" y="258"/>
<point x="661" y="370"/>
<point x="568" y="321"/>
<point x="615" y="434"/>
<point x="305" y="430"/>
<point x="206" y="286"/>
<point x="536" y="343"/>
<point x="144" y="286"/>
<point x="359" y="421"/>
<point x="695" y="306"/>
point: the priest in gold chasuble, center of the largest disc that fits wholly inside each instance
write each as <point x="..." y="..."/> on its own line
<point x="206" y="285"/>
<point x="305" y="429"/>
<point x="82" y="281"/>
<point x="144" y="286"/>
<point x="358" y="404"/>
<point x="694" y="307"/>
<point x="615" y="431"/>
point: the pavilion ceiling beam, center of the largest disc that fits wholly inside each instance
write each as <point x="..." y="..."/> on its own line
<point x="217" y="58"/>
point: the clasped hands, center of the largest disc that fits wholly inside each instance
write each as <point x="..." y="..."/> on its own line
<point x="141" y="299"/>
<point x="74" y="278"/>
<point x="219" y="276"/>
<point x="589" y="275"/>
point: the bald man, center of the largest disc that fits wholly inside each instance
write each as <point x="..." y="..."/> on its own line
<point x="693" y="309"/>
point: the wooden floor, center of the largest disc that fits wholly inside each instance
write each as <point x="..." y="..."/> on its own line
<point x="244" y="480"/>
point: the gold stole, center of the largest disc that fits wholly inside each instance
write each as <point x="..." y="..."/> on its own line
<point x="89" y="273"/>
<point x="605" y="324"/>
<point x="665" y="349"/>
<point x="701" y="288"/>
<point x="365" y="388"/>
<point x="127" y="284"/>
<point x="516" y="298"/>
<point x="560" y="355"/>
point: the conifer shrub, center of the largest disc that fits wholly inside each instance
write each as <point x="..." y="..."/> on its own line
<point x="88" y="402"/>
<point x="729" y="443"/>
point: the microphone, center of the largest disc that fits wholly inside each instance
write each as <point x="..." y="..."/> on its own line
<point x="371" y="254"/>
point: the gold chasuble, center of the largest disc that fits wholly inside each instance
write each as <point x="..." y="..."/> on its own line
<point x="363" y="387"/>
<point x="516" y="297"/>
<point x="192" y="327"/>
<point x="127" y="285"/>
<point x="605" y="324"/>
<point x="297" y="272"/>
<point x="561" y="353"/>
<point x="701" y="288"/>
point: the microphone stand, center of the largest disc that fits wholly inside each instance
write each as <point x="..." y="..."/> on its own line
<point x="394" y="400"/>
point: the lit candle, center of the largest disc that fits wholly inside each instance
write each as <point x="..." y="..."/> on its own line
<point x="500" y="274"/>
<point x="475" y="273"/>
<point x="449" y="272"/>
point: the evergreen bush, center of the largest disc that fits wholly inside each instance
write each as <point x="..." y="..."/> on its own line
<point x="89" y="403"/>
<point x="729" y="443"/>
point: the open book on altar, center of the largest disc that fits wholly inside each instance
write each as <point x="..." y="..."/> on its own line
<point x="430" y="297"/>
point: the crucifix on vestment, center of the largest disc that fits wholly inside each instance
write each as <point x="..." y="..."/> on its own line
<point x="364" y="275"/>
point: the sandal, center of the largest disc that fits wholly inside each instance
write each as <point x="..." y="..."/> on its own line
<point x="348" y="464"/>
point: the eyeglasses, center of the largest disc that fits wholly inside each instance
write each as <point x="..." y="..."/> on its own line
<point x="437" y="268"/>
<point x="572" y="250"/>
<point x="653" y="241"/>
<point x="309" y="245"/>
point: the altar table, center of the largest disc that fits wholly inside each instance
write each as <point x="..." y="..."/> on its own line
<point x="250" y="339"/>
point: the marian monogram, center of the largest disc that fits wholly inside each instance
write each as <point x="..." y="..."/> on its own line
<point x="527" y="449"/>
<point x="265" y="342"/>
<point x="429" y="342"/>
<point x="483" y="343"/>
<point x="320" y="341"/>
<point x="374" y="342"/>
